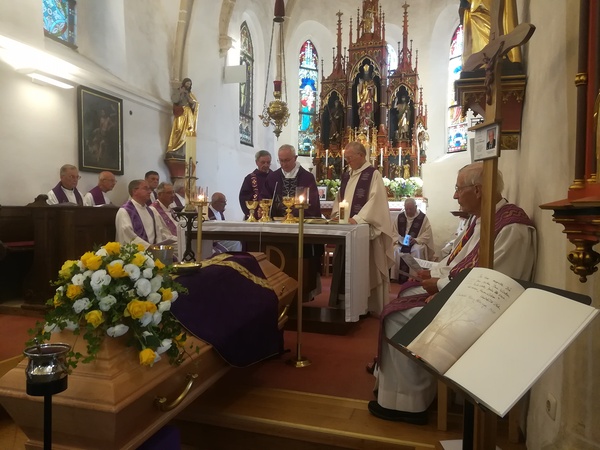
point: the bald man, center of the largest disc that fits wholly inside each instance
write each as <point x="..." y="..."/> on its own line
<point x="97" y="195"/>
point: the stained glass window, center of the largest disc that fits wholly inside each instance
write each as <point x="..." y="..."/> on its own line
<point x="246" y="88"/>
<point x="59" y="20"/>
<point x="457" y="124"/>
<point x="308" y="80"/>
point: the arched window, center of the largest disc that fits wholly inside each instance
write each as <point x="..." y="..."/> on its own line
<point x="308" y="78"/>
<point x="59" y="20"/>
<point x="457" y="125"/>
<point x="392" y="59"/>
<point x="246" y="88"/>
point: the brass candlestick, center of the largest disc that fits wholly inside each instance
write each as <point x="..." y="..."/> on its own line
<point x="190" y="185"/>
<point x="199" y="203"/>
<point x="251" y="205"/>
<point x="300" y="361"/>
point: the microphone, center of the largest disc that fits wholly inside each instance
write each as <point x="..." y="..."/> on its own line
<point x="273" y="199"/>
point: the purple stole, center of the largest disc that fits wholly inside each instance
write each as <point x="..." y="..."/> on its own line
<point x="62" y="197"/>
<point x="98" y="196"/>
<point x="211" y="215"/>
<point x="136" y="221"/>
<point x="178" y="202"/>
<point x="162" y="213"/>
<point x="415" y="227"/>
<point x="506" y="215"/>
<point x="361" y="192"/>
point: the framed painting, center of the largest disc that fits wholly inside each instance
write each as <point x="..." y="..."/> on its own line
<point x="100" y="120"/>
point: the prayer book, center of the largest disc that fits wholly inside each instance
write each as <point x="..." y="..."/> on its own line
<point x="492" y="336"/>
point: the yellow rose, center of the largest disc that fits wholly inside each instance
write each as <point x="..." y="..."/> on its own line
<point x="65" y="270"/>
<point x="94" y="318"/>
<point x="57" y="301"/>
<point x="167" y="295"/>
<point x="150" y="307"/>
<point x="147" y="357"/>
<point x="74" y="291"/>
<point x="141" y="247"/>
<point x="180" y="339"/>
<point x="115" y="270"/>
<point x="112" y="248"/>
<point x="136" y="309"/>
<point x="138" y="259"/>
<point x="91" y="261"/>
<point x="159" y="264"/>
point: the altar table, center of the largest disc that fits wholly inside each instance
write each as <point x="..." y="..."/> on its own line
<point x="354" y="239"/>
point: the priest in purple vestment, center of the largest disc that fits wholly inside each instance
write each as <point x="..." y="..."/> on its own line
<point x="66" y="189"/>
<point x="254" y="181"/>
<point x="97" y="196"/>
<point x="284" y="181"/>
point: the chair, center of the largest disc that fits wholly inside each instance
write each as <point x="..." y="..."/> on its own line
<point x="328" y="259"/>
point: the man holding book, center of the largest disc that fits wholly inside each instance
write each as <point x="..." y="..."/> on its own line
<point x="405" y="390"/>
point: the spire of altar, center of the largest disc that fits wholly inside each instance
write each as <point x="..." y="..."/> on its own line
<point x="405" y="56"/>
<point x="339" y="68"/>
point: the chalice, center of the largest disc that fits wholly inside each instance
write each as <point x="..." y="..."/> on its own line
<point x="251" y="205"/>
<point x="265" y="204"/>
<point x="288" y="202"/>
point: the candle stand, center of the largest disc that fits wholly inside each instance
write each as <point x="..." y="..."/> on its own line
<point x="199" y="203"/>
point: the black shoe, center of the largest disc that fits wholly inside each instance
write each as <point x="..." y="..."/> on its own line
<point x="377" y="410"/>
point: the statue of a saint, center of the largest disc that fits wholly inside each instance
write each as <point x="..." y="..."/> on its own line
<point x="185" y="110"/>
<point x="402" y="107"/>
<point x="336" y="122"/>
<point x="366" y="95"/>
<point x="476" y="20"/>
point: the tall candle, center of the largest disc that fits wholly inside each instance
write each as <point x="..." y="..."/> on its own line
<point x="343" y="161"/>
<point x="381" y="158"/>
<point x="326" y="159"/>
<point x="190" y="154"/>
<point x="343" y="211"/>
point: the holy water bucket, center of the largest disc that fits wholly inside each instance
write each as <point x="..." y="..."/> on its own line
<point x="47" y="370"/>
<point x="162" y="252"/>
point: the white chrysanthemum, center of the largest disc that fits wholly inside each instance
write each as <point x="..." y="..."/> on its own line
<point x="51" y="328"/>
<point x="80" y="265"/>
<point x="102" y="253"/>
<point x="154" y="297"/>
<point x="78" y="279"/>
<point x="60" y="290"/>
<point x="174" y="296"/>
<point x="156" y="318"/>
<point x="156" y="283"/>
<point x="164" y="306"/>
<point x="71" y="326"/>
<point x="143" y="287"/>
<point x="106" y="303"/>
<point x="147" y="272"/>
<point x="99" y="279"/>
<point x="117" y="330"/>
<point x="165" y="345"/>
<point x="88" y="273"/>
<point x="146" y="334"/>
<point x="149" y="262"/>
<point x="132" y="270"/>
<point x="146" y="319"/>
<point x="81" y="305"/>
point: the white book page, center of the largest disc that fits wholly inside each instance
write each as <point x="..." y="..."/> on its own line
<point x="411" y="262"/>
<point x="478" y="301"/>
<point x="516" y="350"/>
<point x="424" y="263"/>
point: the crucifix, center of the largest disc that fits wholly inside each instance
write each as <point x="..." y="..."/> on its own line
<point x="490" y="58"/>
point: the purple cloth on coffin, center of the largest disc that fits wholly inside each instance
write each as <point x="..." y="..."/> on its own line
<point x="167" y="438"/>
<point x="231" y="312"/>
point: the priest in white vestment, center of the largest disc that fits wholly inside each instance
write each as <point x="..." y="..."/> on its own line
<point x="135" y="222"/>
<point x="166" y="223"/>
<point x="362" y="188"/>
<point x="404" y="389"/>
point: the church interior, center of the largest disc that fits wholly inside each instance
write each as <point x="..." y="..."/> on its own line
<point x="382" y="72"/>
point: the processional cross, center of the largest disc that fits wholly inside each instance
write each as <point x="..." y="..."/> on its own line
<point x="490" y="57"/>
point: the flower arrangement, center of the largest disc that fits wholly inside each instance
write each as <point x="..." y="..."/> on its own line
<point x="114" y="291"/>
<point x="333" y="186"/>
<point x="400" y="187"/>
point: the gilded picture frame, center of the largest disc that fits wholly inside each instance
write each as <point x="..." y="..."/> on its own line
<point x="100" y="123"/>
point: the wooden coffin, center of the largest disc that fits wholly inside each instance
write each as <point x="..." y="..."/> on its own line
<point x="112" y="402"/>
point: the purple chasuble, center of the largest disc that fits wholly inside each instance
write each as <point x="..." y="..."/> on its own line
<point x="275" y="183"/>
<point x="136" y="221"/>
<point x="98" y="196"/>
<point x="62" y="197"/>
<point x="162" y="213"/>
<point x="361" y="192"/>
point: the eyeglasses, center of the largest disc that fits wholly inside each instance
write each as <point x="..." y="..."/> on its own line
<point x="459" y="189"/>
<point x="75" y="177"/>
<point x="286" y="160"/>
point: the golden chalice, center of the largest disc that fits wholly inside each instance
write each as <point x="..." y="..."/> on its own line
<point x="251" y="205"/>
<point x="288" y="202"/>
<point x="265" y="205"/>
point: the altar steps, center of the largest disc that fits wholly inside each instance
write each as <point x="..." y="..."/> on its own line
<point x="269" y="419"/>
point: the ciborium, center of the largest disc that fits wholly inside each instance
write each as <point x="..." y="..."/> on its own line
<point x="288" y="202"/>
<point x="265" y="205"/>
<point x="251" y="205"/>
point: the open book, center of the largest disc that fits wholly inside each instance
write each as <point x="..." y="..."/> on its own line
<point x="492" y="336"/>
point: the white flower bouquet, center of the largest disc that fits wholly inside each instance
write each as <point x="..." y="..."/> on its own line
<point x="114" y="291"/>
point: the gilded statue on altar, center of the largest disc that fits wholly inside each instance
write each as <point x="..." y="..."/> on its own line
<point x="185" y="111"/>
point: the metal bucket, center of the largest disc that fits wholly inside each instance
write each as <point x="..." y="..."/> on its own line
<point x="47" y="362"/>
<point x="162" y="252"/>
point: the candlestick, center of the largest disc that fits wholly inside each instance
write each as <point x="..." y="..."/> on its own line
<point x="344" y="213"/>
<point x="190" y="153"/>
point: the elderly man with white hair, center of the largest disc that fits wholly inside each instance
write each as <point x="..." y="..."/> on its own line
<point x="412" y="234"/>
